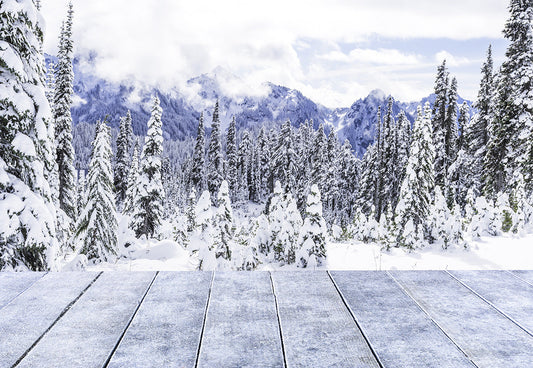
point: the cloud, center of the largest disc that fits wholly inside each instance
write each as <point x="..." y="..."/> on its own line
<point x="451" y="60"/>
<point x="166" y="42"/>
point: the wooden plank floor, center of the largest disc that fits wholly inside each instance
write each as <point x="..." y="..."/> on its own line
<point x="262" y="319"/>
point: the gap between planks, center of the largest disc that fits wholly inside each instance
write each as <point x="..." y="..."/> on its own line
<point x="279" y="320"/>
<point x="23" y="291"/>
<point x="63" y="312"/>
<point x="204" y="321"/>
<point x="347" y="306"/>
<point x="108" y="360"/>
<point x="431" y="318"/>
<point x="489" y="303"/>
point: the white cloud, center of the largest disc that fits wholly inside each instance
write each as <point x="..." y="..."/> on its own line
<point x="451" y="60"/>
<point x="166" y="42"/>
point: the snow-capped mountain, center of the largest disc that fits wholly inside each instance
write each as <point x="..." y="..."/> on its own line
<point x="96" y="98"/>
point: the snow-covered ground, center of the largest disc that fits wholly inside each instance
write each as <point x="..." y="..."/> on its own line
<point x="502" y="252"/>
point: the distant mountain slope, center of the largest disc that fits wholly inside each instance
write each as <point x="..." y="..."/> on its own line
<point x="96" y="98"/>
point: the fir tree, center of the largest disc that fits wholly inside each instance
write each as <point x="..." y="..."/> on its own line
<point x="348" y="181"/>
<point x="285" y="157"/>
<point x="231" y="157"/>
<point x="511" y="129"/>
<point x="97" y="224"/>
<point x="479" y="130"/>
<point x="215" y="162"/>
<point x="225" y="228"/>
<point x="63" y="119"/>
<point x="202" y="238"/>
<point x="198" y="178"/>
<point x="133" y="177"/>
<point x="264" y="158"/>
<point x="27" y="235"/>
<point x="190" y="212"/>
<point x="123" y="158"/>
<point x="415" y="194"/>
<point x="245" y="170"/>
<point x="312" y="238"/>
<point x="319" y="159"/>
<point x="150" y="194"/>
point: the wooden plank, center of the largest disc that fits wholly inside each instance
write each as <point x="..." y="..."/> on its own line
<point x="485" y="335"/>
<point x="399" y="331"/>
<point x="14" y="283"/>
<point x="241" y="327"/>
<point x="27" y="317"/>
<point x="317" y="328"/>
<point x="87" y="334"/>
<point x="166" y="330"/>
<point x="504" y="291"/>
<point x="527" y="276"/>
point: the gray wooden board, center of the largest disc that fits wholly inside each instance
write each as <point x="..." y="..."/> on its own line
<point x="527" y="276"/>
<point x="14" y="283"/>
<point x="166" y="330"/>
<point x="318" y="330"/>
<point x="395" y="326"/>
<point x="27" y="317"/>
<point x="486" y="336"/>
<point x="88" y="332"/>
<point x="241" y="327"/>
<point x="507" y="293"/>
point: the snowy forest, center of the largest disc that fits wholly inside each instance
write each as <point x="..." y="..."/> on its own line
<point x="244" y="199"/>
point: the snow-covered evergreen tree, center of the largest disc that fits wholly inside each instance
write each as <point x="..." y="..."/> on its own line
<point x="285" y="157"/>
<point x="312" y="237"/>
<point x="27" y="230"/>
<point x="63" y="119"/>
<point x="285" y="222"/>
<point x="123" y="158"/>
<point x="231" y="159"/>
<point x="511" y="129"/>
<point x="202" y="238"/>
<point x="148" y="211"/>
<point x="223" y="222"/>
<point x="264" y="162"/>
<point x="198" y="177"/>
<point x="444" y="226"/>
<point x="215" y="161"/>
<point x="245" y="167"/>
<point x="133" y="177"/>
<point x="96" y="229"/>
<point x="478" y="135"/>
<point x="348" y="182"/>
<point x="319" y="163"/>
<point x="418" y="184"/>
<point x="190" y="212"/>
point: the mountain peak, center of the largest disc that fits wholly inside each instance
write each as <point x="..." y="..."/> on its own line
<point x="377" y="94"/>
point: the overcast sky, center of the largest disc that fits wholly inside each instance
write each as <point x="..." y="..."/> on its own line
<point x="333" y="51"/>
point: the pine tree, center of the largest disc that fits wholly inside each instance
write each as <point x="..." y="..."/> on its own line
<point x="133" y="177"/>
<point x="97" y="225"/>
<point x="27" y="235"/>
<point x="198" y="178"/>
<point x="225" y="229"/>
<point x="202" y="238"/>
<point x="285" y="222"/>
<point x="331" y="194"/>
<point x="63" y="119"/>
<point x="231" y="157"/>
<point x="418" y="184"/>
<point x="312" y="238"/>
<point x="452" y="134"/>
<point x="215" y="162"/>
<point x="123" y="159"/>
<point x="479" y="129"/>
<point x="264" y="158"/>
<point x="511" y="129"/>
<point x="348" y="182"/>
<point x="150" y="194"/>
<point x="319" y="159"/>
<point x="245" y="169"/>
<point x="190" y="212"/>
<point x="285" y="158"/>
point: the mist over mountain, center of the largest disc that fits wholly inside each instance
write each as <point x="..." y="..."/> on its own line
<point x="96" y="98"/>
